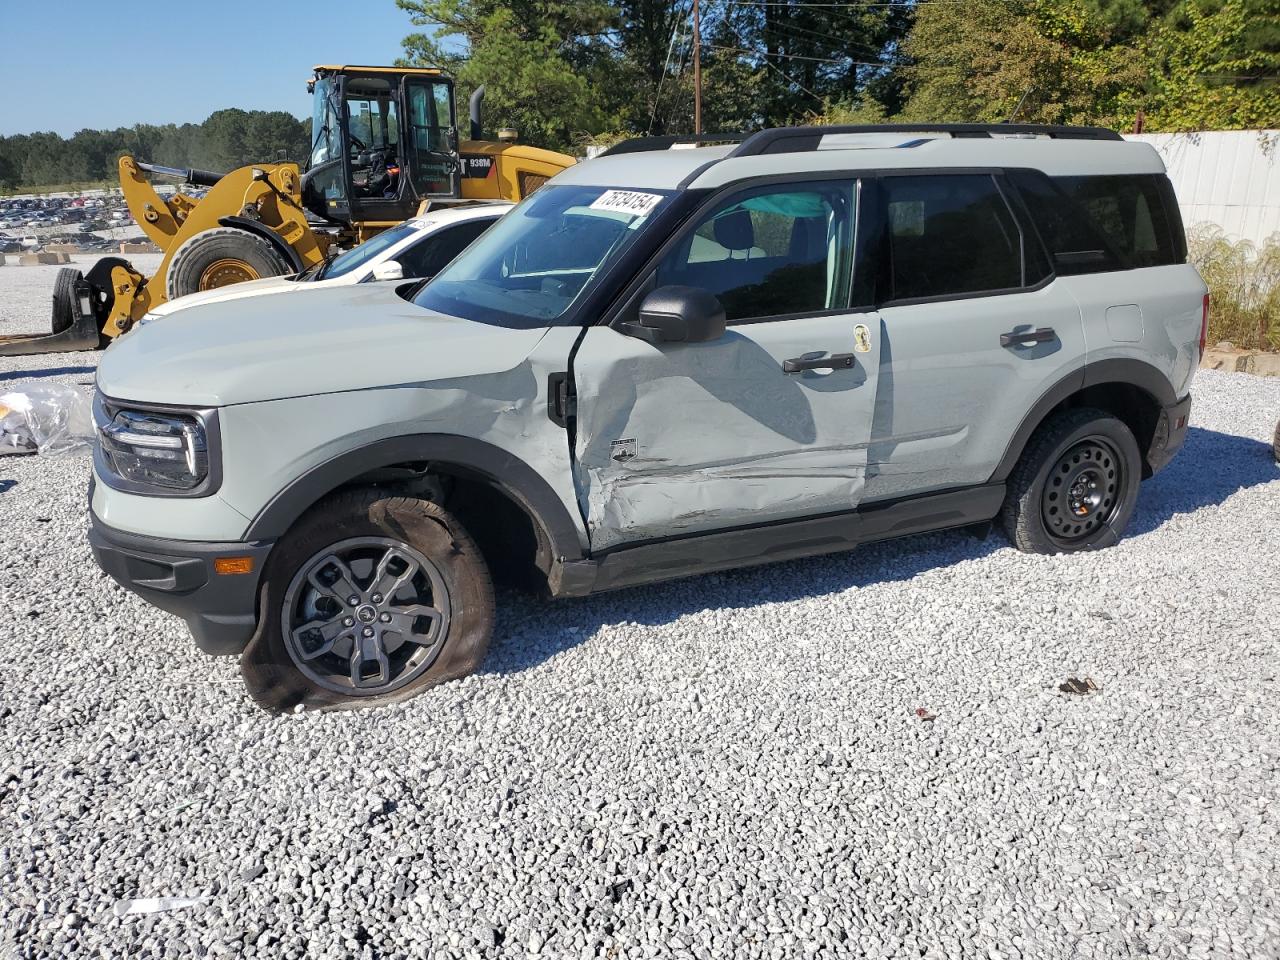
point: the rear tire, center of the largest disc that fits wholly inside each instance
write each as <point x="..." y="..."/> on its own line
<point x="1075" y="486"/>
<point x="221" y="257"/>
<point x="64" y="298"/>
<point x="314" y="647"/>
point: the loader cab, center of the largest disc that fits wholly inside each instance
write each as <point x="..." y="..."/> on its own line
<point x="383" y="140"/>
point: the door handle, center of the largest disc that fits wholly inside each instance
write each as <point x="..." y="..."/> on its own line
<point x="837" y="361"/>
<point x="1014" y="339"/>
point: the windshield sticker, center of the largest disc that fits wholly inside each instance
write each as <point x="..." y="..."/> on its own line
<point x="627" y="201"/>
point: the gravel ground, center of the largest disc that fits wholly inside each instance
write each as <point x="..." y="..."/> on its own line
<point x="725" y="766"/>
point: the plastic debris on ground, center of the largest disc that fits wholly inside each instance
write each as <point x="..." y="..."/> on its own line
<point x="142" y="905"/>
<point x="52" y="419"/>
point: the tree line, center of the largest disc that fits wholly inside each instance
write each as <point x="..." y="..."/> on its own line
<point x="566" y="73"/>
<point x="569" y="71"/>
<point x="226" y="140"/>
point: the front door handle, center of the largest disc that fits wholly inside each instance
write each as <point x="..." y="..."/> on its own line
<point x="837" y="361"/>
<point x="1015" y="339"/>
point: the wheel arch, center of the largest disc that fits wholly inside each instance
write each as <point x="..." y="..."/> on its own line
<point x="1132" y="390"/>
<point x="260" y="229"/>
<point x="448" y="454"/>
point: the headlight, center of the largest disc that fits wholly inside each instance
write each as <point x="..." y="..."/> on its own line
<point x="155" y="449"/>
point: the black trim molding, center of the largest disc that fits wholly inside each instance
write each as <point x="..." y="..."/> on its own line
<point x="504" y="471"/>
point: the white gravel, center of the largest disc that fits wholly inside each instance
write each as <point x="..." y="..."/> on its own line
<point x="729" y="766"/>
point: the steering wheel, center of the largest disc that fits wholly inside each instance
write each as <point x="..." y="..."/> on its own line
<point x="356" y="141"/>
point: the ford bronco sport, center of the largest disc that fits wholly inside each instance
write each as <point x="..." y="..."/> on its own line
<point x="666" y="361"/>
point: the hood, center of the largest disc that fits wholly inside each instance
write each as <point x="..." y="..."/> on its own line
<point x="317" y="341"/>
<point x="250" y="288"/>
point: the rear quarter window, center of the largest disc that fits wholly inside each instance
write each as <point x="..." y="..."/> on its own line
<point x="1102" y="223"/>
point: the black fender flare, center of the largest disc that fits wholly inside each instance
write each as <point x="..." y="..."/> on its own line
<point x="258" y="228"/>
<point x="1136" y="373"/>
<point x="506" y="472"/>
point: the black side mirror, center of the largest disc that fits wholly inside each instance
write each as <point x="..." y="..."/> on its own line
<point x="678" y="315"/>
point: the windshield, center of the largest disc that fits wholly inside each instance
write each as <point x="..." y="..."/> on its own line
<point x="534" y="263"/>
<point x="326" y="142"/>
<point x="358" y="256"/>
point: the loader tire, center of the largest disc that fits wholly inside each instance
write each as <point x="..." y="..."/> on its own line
<point x="64" y="298"/>
<point x="219" y="258"/>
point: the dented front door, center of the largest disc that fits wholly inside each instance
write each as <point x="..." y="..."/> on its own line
<point x="674" y="439"/>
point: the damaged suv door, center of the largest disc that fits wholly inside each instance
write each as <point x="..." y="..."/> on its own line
<point x="691" y="419"/>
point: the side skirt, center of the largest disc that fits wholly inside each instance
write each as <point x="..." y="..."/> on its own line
<point x="654" y="561"/>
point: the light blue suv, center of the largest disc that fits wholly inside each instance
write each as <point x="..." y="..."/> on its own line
<point x="666" y="361"/>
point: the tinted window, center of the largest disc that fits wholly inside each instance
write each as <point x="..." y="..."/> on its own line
<point x="432" y="254"/>
<point x="948" y="235"/>
<point x="1129" y="212"/>
<point x="1094" y="224"/>
<point x="775" y="251"/>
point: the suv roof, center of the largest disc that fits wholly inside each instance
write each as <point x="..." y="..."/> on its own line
<point x="678" y="163"/>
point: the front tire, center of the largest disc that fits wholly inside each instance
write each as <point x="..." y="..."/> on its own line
<point x="219" y="258"/>
<point x="1075" y="486"/>
<point x="369" y="599"/>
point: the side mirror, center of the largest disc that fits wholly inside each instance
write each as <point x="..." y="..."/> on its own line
<point x="388" y="270"/>
<point x="678" y="315"/>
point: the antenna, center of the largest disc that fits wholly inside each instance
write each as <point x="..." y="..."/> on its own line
<point x="1018" y="109"/>
<point x="697" y="73"/>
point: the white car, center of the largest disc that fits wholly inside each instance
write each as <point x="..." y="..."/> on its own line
<point x="419" y="247"/>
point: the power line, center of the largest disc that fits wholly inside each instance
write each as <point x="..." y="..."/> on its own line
<point x="796" y="56"/>
<point x="657" y="96"/>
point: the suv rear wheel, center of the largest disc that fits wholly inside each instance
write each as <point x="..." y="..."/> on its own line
<point x="1076" y="485"/>
<point x="369" y="599"/>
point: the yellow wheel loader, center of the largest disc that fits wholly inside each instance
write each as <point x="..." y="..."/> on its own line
<point x="384" y="144"/>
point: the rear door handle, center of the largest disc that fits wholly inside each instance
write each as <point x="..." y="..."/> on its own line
<point x="1014" y="339"/>
<point x="837" y="361"/>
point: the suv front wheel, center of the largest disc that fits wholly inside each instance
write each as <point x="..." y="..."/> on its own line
<point x="370" y="598"/>
<point x="1076" y="485"/>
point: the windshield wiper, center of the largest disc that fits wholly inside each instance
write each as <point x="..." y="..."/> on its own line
<point x="323" y="267"/>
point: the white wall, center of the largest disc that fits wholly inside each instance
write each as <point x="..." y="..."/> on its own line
<point x="1231" y="178"/>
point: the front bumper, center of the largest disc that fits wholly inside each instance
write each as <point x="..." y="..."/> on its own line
<point x="178" y="576"/>
<point x="1170" y="434"/>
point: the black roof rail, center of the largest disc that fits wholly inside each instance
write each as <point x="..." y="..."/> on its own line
<point x="805" y="139"/>
<point x="643" y="144"/>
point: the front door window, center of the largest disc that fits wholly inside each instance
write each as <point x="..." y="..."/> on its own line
<point x="429" y="151"/>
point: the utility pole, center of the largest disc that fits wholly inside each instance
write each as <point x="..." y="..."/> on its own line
<point x="697" y="73"/>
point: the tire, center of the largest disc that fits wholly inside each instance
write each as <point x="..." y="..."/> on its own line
<point x="1275" y="444"/>
<point x="220" y="257"/>
<point x="1075" y="486"/>
<point x="64" y="298"/>
<point x="284" y="670"/>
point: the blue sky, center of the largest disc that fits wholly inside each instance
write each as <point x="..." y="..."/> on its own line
<point x="77" y="66"/>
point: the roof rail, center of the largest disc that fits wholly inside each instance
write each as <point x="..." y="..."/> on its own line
<point x="805" y="139"/>
<point x="643" y="144"/>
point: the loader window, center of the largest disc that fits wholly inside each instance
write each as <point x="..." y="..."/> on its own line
<point x="429" y="153"/>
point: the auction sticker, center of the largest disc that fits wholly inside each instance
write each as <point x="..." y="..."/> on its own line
<point x="627" y="201"/>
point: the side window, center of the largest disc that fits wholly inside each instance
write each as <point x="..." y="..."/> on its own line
<point x="1129" y="212"/>
<point x="432" y="254"/>
<point x="1073" y="242"/>
<point x="773" y="251"/>
<point x="949" y="234"/>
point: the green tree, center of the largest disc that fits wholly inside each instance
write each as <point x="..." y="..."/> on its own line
<point x="540" y="62"/>
<point x="1190" y="64"/>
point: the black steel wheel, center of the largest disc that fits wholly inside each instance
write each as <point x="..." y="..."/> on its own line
<point x="1075" y="486"/>
<point x="368" y="599"/>
<point x="1082" y="490"/>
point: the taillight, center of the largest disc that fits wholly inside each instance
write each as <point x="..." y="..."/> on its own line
<point x="1204" y="323"/>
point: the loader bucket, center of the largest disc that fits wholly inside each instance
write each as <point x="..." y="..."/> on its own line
<point x="75" y="326"/>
